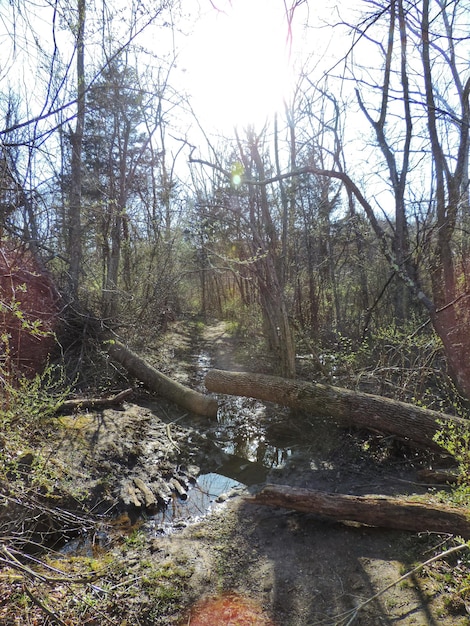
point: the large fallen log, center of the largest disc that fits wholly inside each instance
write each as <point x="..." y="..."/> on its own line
<point x="350" y="408"/>
<point x="381" y="511"/>
<point x="159" y="383"/>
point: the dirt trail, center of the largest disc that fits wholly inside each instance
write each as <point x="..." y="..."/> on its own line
<point x="301" y="570"/>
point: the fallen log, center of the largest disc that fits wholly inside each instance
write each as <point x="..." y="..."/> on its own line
<point x="94" y="403"/>
<point x="380" y="511"/>
<point x="159" y="383"/>
<point x="349" y="408"/>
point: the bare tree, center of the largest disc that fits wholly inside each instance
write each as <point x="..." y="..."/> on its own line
<point x="419" y="113"/>
<point x="268" y="265"/>
<point x="448" y="128"/>
<point x="74" y="218"/>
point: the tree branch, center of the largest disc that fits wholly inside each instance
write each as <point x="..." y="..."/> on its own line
<point x="378" y="230"/>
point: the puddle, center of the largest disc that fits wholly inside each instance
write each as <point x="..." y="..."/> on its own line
<point x="210" y="489"/>
<point x="203" y="362"/>
<point x="86" y="545"/>
<point x="249" y="440"/>
<point x="242" y="431"/>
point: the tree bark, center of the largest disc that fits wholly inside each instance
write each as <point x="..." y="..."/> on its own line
<point x="157" y="382"/>
<point x="94" y="403"/>
<point x="75" y="225"/>
<point x="350" y="408"/>
<point x="381" y="511"/>
<point x="269" y="266"/>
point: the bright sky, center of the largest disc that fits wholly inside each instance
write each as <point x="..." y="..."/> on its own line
<point x="238" y="62"/>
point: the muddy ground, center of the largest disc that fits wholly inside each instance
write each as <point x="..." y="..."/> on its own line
<point x="301" y="570"/>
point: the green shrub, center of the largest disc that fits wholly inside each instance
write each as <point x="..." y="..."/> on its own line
<point x="25" y="399"/>
<point x="26" y="404"/>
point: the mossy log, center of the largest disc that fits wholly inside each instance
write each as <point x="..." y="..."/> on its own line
<point x="380" y="511"/>
<point x="350" y="408"/>
<point x="159" y="383"/>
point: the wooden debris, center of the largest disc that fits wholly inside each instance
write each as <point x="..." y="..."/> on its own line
<point x="155" y="492"/>
<point x="350" y="408"/>
<point x="150" y="500"/>
<point x="163" y="491"/>
<point x="159" y="383"/>
<point x="382" y="511"/>
<point x="179" y="488"/>
<point x="129" y="495"/>
<point x="95" y="403"/>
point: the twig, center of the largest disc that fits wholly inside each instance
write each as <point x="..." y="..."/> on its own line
<point x="352" y="615"/>
<point x="172" y="441"/>
<point x="13" y="562"/>
<point x="91" y="403"/>
<point x="44" y="608"/>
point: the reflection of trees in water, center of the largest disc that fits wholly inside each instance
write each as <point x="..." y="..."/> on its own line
<point x="251" y="430"/>
<point x="201" y="498"/>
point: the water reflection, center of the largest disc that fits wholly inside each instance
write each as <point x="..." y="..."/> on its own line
<point x="242" y="431"/>
<point x="210" y="489"/>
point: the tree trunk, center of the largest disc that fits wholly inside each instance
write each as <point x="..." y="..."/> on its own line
<point x="110" y="291"/>
<point x="159" y="383"/>
<point x="269" y="266"/>
<point x="75" y="226"/>
<point x="382" y="511"/>
<point x="351" y="408"/>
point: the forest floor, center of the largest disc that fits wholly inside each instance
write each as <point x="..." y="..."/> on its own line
<point x="293" y="569"/>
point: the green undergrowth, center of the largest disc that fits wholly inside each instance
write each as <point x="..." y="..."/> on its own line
<point x="121" y="586"/>
<point x="26" y="408"/>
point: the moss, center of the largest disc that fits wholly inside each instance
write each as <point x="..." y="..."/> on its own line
<point x="137" y="539"/>
<point x="78" y="422"/>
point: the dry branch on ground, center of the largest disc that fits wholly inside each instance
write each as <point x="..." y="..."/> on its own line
<point x="94" y="403"/>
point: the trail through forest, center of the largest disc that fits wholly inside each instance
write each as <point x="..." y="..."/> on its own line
<point x="300" y="569"/>
<point x="304" y="570"/>
<point x="212" y="542"/>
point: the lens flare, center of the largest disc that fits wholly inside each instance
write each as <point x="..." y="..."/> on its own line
<point x="228" y="610"/>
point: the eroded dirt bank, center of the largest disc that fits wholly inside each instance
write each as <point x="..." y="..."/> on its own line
<point x="301" y="570"/>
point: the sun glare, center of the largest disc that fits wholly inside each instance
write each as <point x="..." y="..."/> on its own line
<point x="238" y="62"/>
